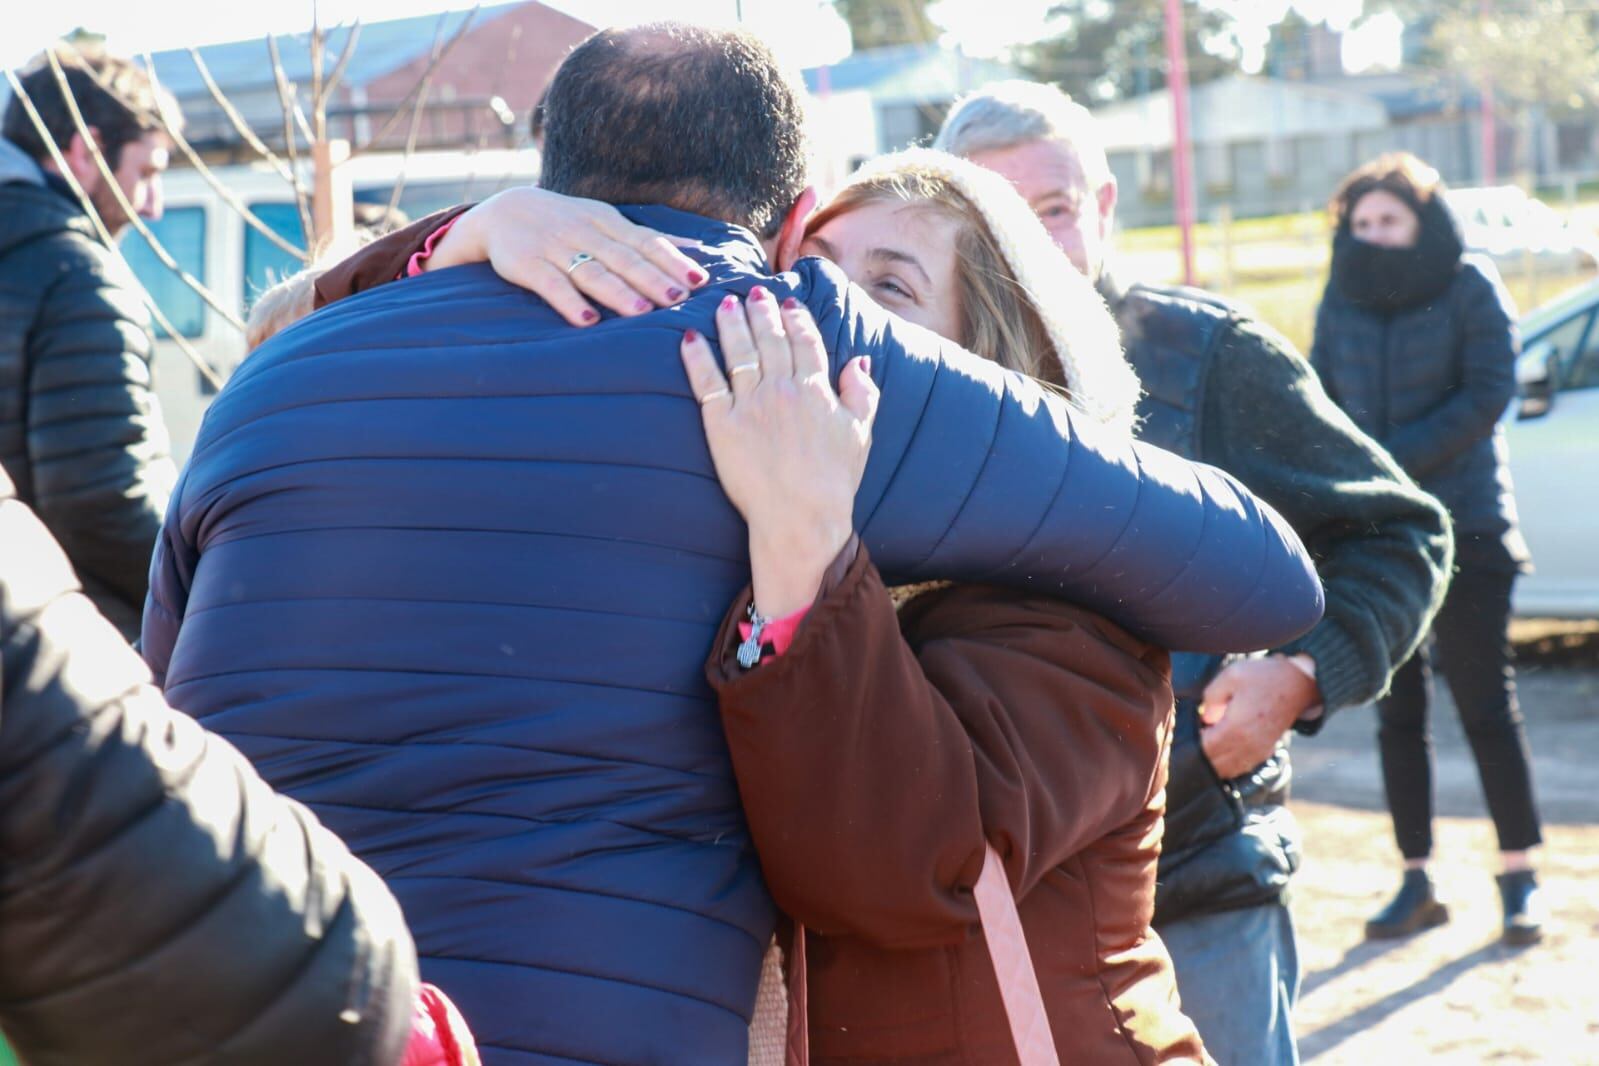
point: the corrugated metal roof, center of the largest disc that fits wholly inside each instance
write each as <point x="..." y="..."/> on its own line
<point x="383" y="46"/>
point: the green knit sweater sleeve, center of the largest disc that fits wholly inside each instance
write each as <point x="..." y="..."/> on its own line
<point x="1383" y="546"/>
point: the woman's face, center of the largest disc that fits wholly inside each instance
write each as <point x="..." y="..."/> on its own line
<point x="1384" y="219"/>
<point x="903" y="254"/>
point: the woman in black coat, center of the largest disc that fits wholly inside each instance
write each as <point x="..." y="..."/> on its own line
<point x="1418" y="344"/>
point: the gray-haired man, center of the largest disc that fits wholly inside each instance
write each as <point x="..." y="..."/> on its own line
<point x="1224" y="388"/>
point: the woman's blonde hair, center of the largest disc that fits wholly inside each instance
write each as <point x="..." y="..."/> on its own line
<point x="1022" y="303"/>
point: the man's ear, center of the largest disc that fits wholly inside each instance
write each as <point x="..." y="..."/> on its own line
<point x="1107" y="206"/>
<point x="792" y="235"/>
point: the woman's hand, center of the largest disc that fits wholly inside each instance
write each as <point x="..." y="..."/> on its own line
<point x="532" y="237"/>
<point x="790" y="451"/>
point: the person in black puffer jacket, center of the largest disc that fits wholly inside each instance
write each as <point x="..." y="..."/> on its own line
<point x="81" y="434"/>
<point x="160" y="905"/>
<point x="1417" y="342"/>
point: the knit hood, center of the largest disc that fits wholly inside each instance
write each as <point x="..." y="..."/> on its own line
<point x="1087" y="342"/>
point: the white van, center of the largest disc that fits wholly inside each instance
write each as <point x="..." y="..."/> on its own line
<point x="212" y="242"/>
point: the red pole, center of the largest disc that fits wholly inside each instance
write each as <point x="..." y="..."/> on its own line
<point x="1182" y="151"/>
<point x="1490" y="152"/>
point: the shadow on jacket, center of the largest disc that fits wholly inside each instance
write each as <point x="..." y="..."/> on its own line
<point x="159" y="904"/>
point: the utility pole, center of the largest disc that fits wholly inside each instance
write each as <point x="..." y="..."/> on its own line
<point x="1490" y="147"/>
<point x="1182" y="150"/>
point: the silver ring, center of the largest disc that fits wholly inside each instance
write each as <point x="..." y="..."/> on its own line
<point x="738" y="368"/>
<point x="578" y="259"/>
<point x="714" y="394"/>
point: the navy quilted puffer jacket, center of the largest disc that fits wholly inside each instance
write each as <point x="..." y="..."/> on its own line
<point x="447" y="570"/>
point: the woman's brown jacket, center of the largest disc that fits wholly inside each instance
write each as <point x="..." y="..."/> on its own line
<point x="875" y="754"/>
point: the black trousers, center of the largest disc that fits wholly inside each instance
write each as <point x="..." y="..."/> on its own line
<point x="1471" y="643"/>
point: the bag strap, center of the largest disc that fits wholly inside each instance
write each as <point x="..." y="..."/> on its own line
<point x="799" y="1033"/>
<point x="1007" y="948"/>
<point x="1013" y="965"/>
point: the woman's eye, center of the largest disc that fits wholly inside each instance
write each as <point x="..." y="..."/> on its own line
<point x="889" y="285"/>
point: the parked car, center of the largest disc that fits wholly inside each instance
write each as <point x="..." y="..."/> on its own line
<point x="237" y="263"/>
<point x="1505" y="224"/>
<point x="1553" y="431"/>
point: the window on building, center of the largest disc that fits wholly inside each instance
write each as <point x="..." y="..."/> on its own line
<point x="181" y="231"/>
<point x="265" y="264"/>
<point x="1216" y="165"/>
<point x="1155" y="176"/>
<point x="1281" y="164"/>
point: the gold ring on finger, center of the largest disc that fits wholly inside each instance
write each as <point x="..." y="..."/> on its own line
<point x="714" y="394"/>
<point x="578" y="259"/>
<point x="739" y="368"/>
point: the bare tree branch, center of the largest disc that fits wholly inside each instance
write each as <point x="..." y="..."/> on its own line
<point x="494" y="92"/>
<point x="215" y="182"/>
<point x="318" y="116"/>
<point x="332" y="82"/>
<point x="288" y="105"/>
<point x="422" y="85"/>
<point x="286" y="92"/>
<point x="237" y="119"/>
<point x="21" y="95"/>
<point x="417" y="111"/>
<point x="115" y="189"/>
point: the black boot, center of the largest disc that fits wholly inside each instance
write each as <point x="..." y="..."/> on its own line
<point x="1415" y="908"/>
<point x="1523" y="907"/>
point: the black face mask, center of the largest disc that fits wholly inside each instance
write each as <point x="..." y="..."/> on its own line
<point x="1386" y="280"/>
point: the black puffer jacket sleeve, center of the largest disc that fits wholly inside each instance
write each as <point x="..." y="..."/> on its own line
<point x="159" y="903"/>
<point x="96" y="444"/>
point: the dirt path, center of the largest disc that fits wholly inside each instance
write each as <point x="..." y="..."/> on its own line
<point x="1453" y="995"/>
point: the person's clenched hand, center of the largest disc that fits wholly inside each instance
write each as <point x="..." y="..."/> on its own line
<point x="1248" y="707"/>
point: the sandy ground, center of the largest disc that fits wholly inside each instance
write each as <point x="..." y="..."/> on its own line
<point x="1454" y="995"/>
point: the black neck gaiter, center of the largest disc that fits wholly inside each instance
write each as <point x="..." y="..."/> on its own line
<point x="1387" y="280"/>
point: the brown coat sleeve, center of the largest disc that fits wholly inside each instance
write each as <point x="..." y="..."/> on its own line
<point x="383" y="260"/>
<point x="870" y="763"/>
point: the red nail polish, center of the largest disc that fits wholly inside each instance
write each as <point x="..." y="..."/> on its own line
<point x="866" y="365"/>
<point x="698" y="277"/>
<point x="674" y="293"/>
<point x="757" y="294"/>
<point x="729" y="302"/>
<point x="691" y="335"/>
<point x="589" y="316"/>
<point x="790" y="304"/>
<point x="641" y="305"/>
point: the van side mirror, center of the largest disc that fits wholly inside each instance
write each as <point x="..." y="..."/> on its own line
<point x="1539" y="387"/>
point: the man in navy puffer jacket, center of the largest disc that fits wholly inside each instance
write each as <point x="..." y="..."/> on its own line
<point x="446" y="570"/>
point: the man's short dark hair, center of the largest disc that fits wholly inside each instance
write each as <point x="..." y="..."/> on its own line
<point x="115" y="95"/>
<point x="698" y="119"/>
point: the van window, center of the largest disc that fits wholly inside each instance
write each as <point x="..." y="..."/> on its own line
<point x="181" y="232"/>
<point x="265" y="264"/>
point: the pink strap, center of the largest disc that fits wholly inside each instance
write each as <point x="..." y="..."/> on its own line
<point x="1013" y="965"/>
<point x="799" y="1031"/>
